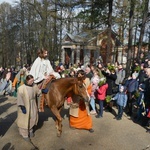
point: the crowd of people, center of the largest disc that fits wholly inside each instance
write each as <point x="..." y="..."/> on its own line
<point x="103" y="82"/>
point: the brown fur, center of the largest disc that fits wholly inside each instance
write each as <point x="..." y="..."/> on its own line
<point x="58" y="91"/>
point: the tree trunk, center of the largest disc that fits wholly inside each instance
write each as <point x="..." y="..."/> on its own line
<point x="129" y="53"/>
<point x="109" y="31"/>
<point x="135" y="37"/>
<point x="145" y="14"/>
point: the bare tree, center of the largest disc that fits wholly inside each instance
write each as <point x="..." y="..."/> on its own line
<point x="129" y="52"/>
<point x="109" y="31"/>
<point x="145" y="16"/>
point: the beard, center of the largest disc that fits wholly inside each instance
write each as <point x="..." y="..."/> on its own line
<point x="44" y="57"/>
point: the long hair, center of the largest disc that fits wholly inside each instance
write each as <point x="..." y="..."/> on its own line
<point x="41" y="52"/>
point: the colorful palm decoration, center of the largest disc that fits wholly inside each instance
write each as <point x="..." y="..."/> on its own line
<point x="137" y="69"/>
<point x="108" y="98"/>
<point x="102" y="82"/>
<point x="111" y="67"/>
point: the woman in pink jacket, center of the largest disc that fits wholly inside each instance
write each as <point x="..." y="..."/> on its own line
<point x="101" y="95"/>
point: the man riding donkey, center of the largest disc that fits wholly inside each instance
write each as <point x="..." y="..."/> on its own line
<point x="43" y="73"/>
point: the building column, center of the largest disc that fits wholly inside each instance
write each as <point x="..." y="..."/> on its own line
<point x="62" y="55"/>
<point x="72" y="56"/>
<point x="86" y="56"/>
<point x="96" y="55"/>
<point x="78" y="55"/>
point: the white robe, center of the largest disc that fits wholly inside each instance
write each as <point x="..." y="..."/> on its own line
<point x="40" y="68"/>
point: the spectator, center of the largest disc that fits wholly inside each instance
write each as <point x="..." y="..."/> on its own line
<point x="135" y="64"/>
<point x="61" y="69"/>
<point x="147" y="96"/>
<point x="142" y="74"/>
<point x="120" y="72"/>
<point x="94" y="82"/>
<point x="71" y="73"/>
<point x="19" y="79"/>
<point x="132" y="87"/>
<point x="13" y="73"/>
<point x="111" y="76"/>
<point x="6" y="84"/>
<point x="121" y="98"/>
<point x="147" y="88"/>
<point x="140" y="102"/>
<point x="101" y="95"/>
<point x="100" y="67"/>
<point x="88" y="72"/>
<point x="148" y="62"/>
<point x="1" y="72"/>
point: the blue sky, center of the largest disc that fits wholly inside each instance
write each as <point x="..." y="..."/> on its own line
<point x="8" y="1"/>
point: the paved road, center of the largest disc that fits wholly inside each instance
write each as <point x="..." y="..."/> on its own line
<point x="109" y="134"/>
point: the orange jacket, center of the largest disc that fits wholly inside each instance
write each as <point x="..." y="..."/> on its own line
<point x="89" y="89"/>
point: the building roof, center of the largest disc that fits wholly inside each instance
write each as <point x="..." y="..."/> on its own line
<point x="88" y="36"/>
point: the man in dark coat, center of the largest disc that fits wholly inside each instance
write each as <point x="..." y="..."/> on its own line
<point x="147" y="96"/>
<point x="147" y="88"/>
<point x="142" y="74"/>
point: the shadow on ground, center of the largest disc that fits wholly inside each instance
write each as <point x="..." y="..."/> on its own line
<point x="8" y="117"/>
<point x="8" y="146"/>
<point x="43" y="116"/>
